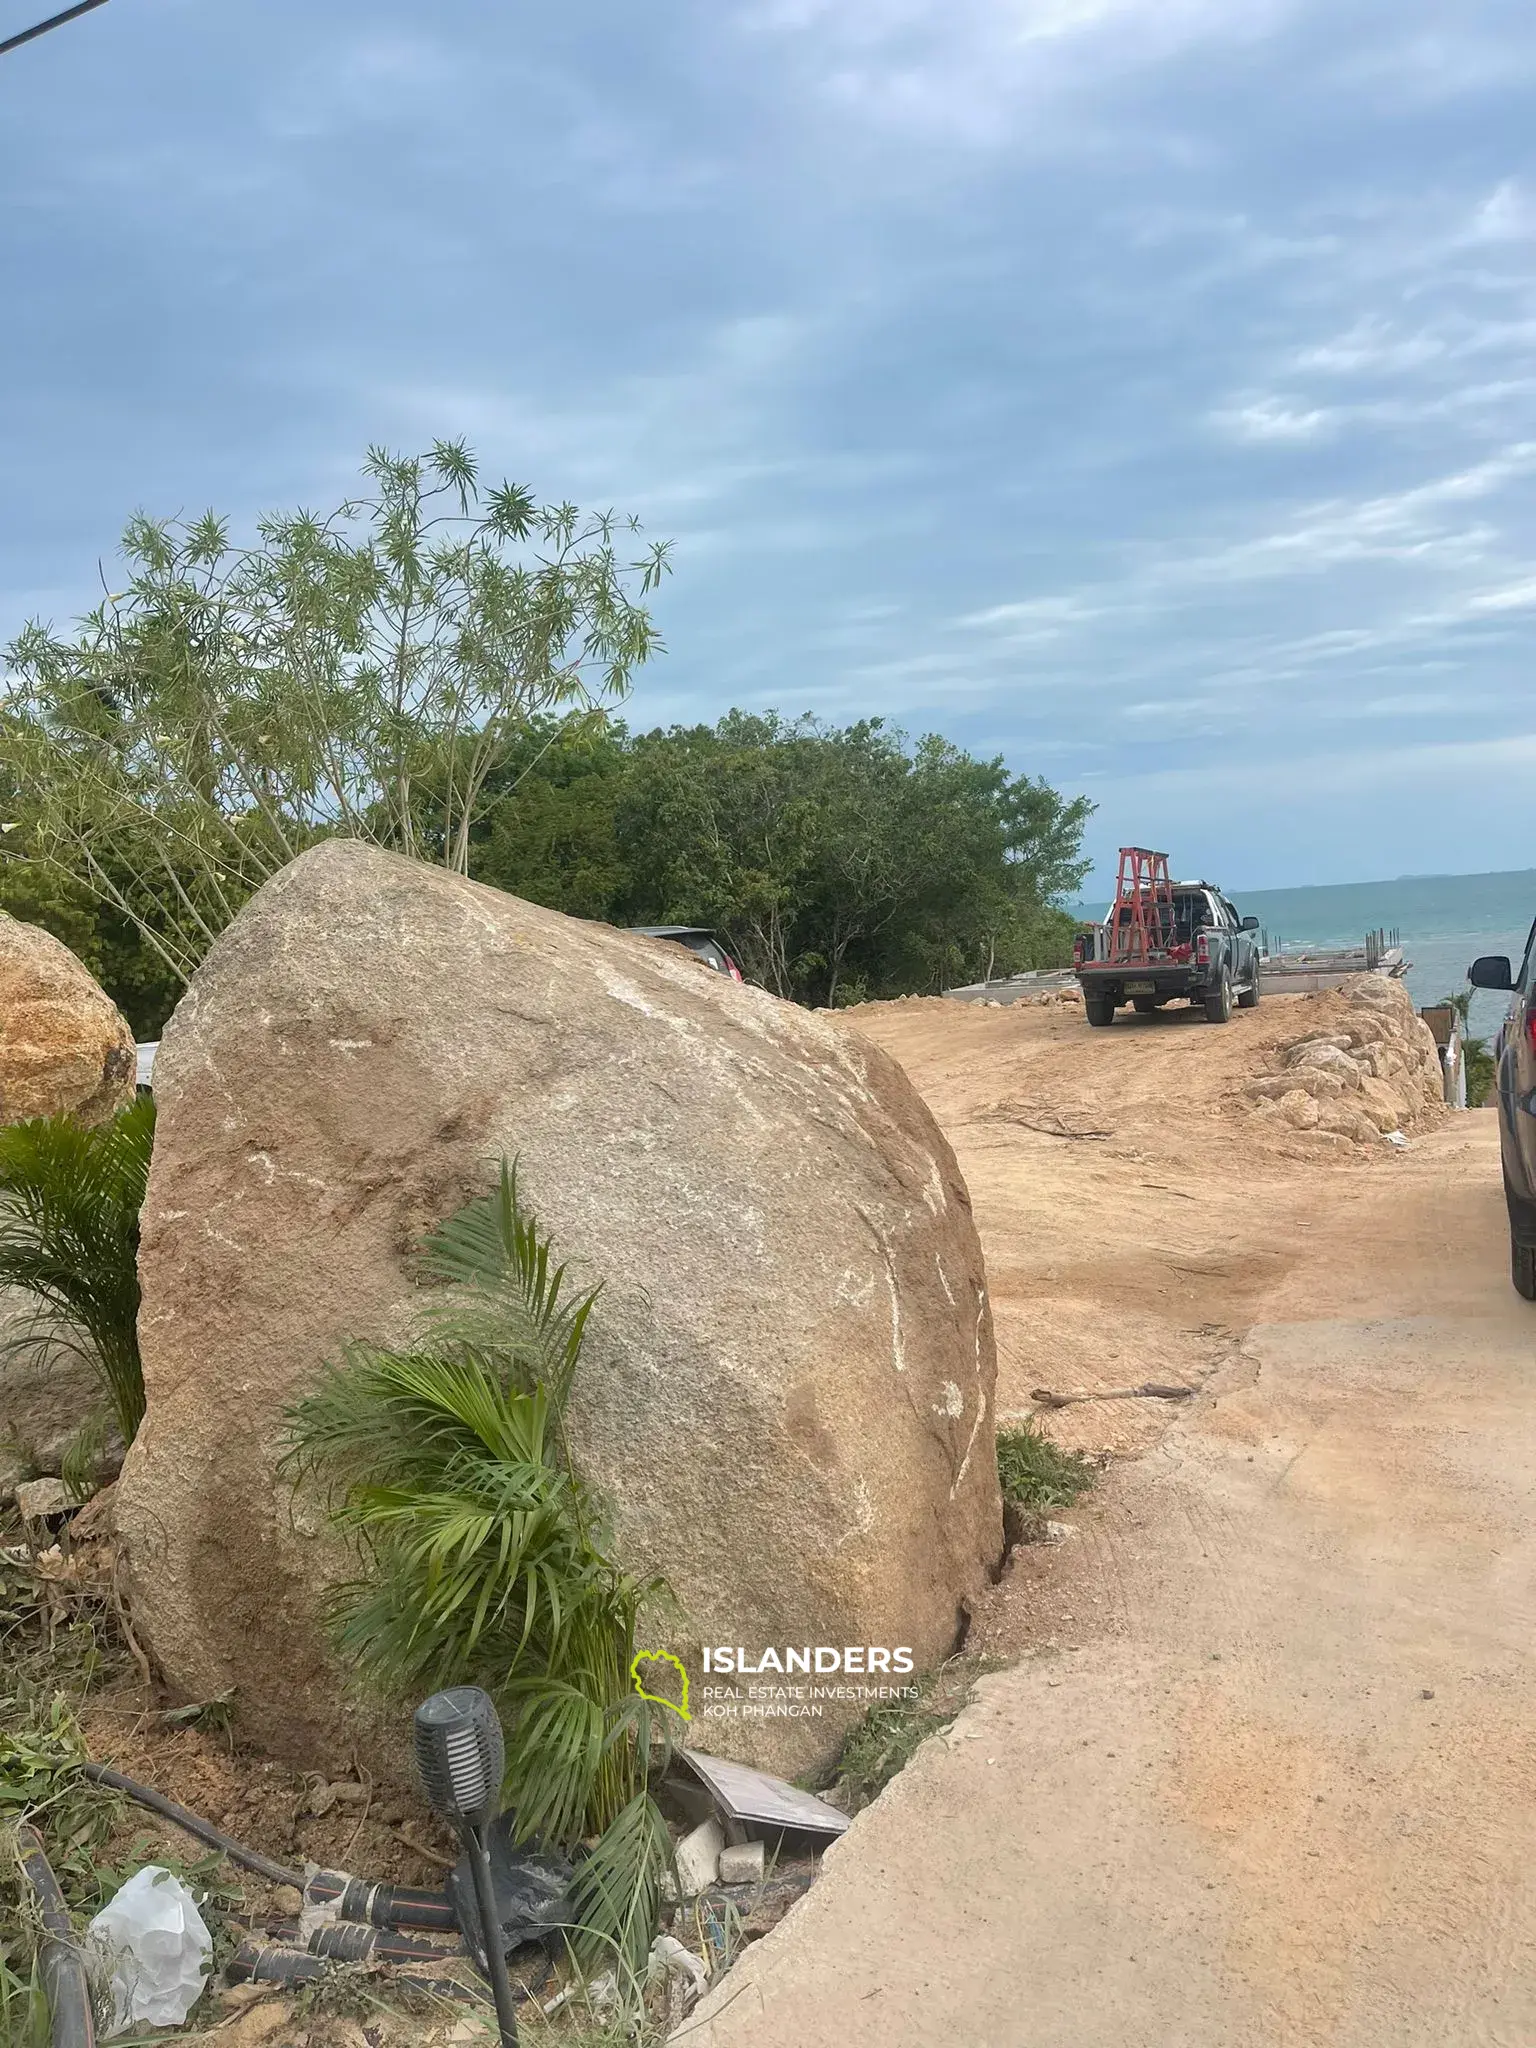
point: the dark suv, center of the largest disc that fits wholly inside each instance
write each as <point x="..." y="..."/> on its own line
<point x="1515" y="1052"/>
<point x="700" y="942"/>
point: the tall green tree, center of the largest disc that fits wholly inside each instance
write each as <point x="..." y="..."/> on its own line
<point x="837" y="862"/>
<point x="366" y="672"/>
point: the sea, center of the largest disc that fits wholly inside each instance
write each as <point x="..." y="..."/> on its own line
<point x="1445" y="921"/>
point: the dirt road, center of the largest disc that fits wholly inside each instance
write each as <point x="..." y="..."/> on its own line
<point x="1265" y="1771"/>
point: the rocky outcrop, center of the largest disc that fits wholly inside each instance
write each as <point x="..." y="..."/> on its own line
<point x="787" y="1388"/>
<point x="1371" y="1069"/>
<point x="63" y="1043"/>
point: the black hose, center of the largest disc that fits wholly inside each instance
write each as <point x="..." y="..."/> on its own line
<point x="257" y="1962"/>
<point x="356" y="1898"/>
<point x="65" y="1985"/>
<point x="264" y="1963"/>
<point x="205" y="1831"/>
<point x="380" y="1905"/>
<point x="344" y="1941"/>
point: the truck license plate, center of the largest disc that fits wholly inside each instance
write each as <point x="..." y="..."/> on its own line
<point x="1141" y="988"/>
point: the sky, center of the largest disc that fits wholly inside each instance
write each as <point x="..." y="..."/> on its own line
<point x="1142" y="390"/>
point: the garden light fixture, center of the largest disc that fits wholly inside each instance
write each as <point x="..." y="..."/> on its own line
<point x="460" y="1756"/>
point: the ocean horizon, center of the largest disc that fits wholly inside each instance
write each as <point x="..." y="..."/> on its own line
<point x="1445" y="922"/>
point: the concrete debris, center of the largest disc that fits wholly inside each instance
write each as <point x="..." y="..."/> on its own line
<point x="741" y="1863"/>
<point x="698" y="1858"/>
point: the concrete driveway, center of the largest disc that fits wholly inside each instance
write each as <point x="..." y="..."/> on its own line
<point x="1284" y="1791"/>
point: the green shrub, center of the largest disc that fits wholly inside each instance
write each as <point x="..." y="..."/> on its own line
<point x="1482" y="1071"/>
<point x="69" y="1236"/>
<point x="1035" y="1473"/>
<point x="485" y="1560"/>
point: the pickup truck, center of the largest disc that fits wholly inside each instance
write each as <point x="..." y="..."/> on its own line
<point x="1209" y="956"/>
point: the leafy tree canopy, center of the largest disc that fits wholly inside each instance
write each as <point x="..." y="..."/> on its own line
<point x="365" y="672"/>
<point x="430" y="667"/>
<point x="837" y="863"/>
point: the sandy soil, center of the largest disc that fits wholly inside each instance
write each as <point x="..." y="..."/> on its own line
<point x="1140" y="1248"/>
<point x="1265" y="1771"/>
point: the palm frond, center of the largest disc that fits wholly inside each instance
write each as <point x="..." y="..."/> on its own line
<point x="484" y="1559"/>
<point x="69" y="1237"/>
<point x="506" y="1294"/>
<point x="617" y="1892"/>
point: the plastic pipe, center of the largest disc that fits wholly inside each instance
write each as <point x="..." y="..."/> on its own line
<point x="65" y="1985"/>
<point x="380" y="1905"/>
<point x="205" y="1831"/>
<point x="256" y="1962"/>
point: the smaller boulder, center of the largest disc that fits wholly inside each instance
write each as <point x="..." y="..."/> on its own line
<point x="37" y="1500"/>
<point x="1381" y="1104"/>
<point x="1343" y="1120"/>
<point x="1339" y="1041"/>
<point x="1327" y="1059"/>
<point x="1311" y="1081"/>
<point x="1299" y="1110"/>
<point x="64" y="1046"/>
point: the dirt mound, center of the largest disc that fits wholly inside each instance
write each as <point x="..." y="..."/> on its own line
<point x="1135" y="1201"/>
<point x="1362" y="1067"/>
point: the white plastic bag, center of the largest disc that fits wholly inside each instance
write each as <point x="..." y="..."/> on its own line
<point x="152" y="1937"/>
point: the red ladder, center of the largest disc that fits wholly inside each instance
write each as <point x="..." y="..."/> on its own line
<point x="1141" y="921"/>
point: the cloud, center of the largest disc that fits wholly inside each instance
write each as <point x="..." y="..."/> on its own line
<point x="973" y="71"/>
<point x="1273" y="419"/>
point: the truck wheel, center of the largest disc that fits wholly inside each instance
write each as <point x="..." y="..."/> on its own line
<point x="1218" y="1004"/>
<point x="1099" y="1009"/>
<point x="1144" y="1006"/>
<point x="1522" y="1267"/>
<point x="1249" y="999"/>
<point x="1522" y="1241"/>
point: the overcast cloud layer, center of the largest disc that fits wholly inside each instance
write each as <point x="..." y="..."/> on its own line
<point x="1142" y="389"/>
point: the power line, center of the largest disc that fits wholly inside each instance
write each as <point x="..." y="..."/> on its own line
<point x="54" y="21"/>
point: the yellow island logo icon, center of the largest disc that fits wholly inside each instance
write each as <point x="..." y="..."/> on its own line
<point x="649" y="1657"/>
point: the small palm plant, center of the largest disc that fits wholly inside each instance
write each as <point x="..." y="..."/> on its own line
<point x="486" y="1560"/>
<point x="69" y="1237"/>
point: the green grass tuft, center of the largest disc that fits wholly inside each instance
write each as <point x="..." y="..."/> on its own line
<point x="1036" y="1473"/>
<point x="887" y="1737"/>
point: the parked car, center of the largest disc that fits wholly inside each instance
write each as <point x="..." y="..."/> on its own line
<point x="701" y="943"/>
<point x="1208" y="955"/>
<point x="1514" y="1054"/>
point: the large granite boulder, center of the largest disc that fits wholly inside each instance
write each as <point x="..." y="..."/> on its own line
<point x="787" y="1387"/>
<point x="63" y="1042"/>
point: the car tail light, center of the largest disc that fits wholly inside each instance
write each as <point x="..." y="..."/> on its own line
<point x="1203" y="950"/>
<point x="736" y="973"/>
<point x="1530" y="1026"/>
